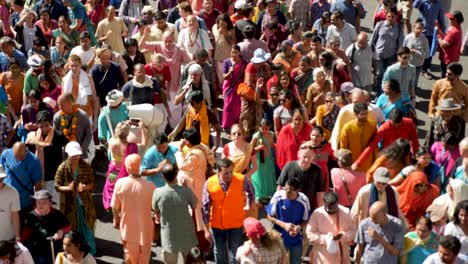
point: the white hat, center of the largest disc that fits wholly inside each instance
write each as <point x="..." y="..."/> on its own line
<point x="73" y="148"/>
<point x="35" y="61"/>
<point x="447" y="104"/>
<point x="114" y="98"/>
<point x="381" y="175"/>
<point x="2" y="172"/>
<point x="260" y="56"/>
<point x="241" y="4"/>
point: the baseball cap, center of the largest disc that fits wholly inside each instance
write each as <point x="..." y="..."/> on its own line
<point x="254" y="228"/>
<point x="382" y="175"/>
<point x="346" y="87"/>
<point x="73" y="148"/>
<point x="457" y="15"/>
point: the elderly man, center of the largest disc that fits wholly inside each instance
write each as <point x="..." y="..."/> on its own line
<point x="335" y="219"/>
<point x="450" y="86"/>
<point x="227" y="197"/>
<point x="41" y="223"/>
<point x="8" y="51"/>
<point x="379" y="190"/>
<point x="446" y="121"/>
<point x="115" y="112"/>
<point x="131" y="205"/>
<point x="193" y="37"/>
<point x="362" y="68"/>
<point x="31" y="81"/>
<point x="24" y="173"/>
<point x="10" y="207"/>
<point x="380" y="237"/>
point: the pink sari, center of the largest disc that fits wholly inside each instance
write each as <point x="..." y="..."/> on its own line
<point x="232" y="101"/>
<point x="108" y="190"/>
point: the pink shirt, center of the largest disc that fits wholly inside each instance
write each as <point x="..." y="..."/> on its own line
<point x="133" y="197"/>
<point x="354" y="179"/>
<point x="320" y="224"/>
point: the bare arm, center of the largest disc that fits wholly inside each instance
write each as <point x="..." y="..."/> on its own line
<point x="359" y="252"/>
<point x="15" y="218"/>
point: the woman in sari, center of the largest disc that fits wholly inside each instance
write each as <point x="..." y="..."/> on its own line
<point x="224" y="35"/>
<point x="394" y="157"/>
<point x="425" y="164"/>
<point x="420" y="243"/>
<point x="95" y="11"/>
<point x="416" y="194"/>
<point x="326" y="115"/>
<point x="291" y="137"/>
<point x="46" y="24"/>
<point x="74" y="180"/>
<point x="233" y="74"/>
<point x="192" y="159"/>
<point x="323" y="153"/>
<point x="392" y="98"/>
<point x="81" y="21"/>
<point x="446" y="153"/>
<point x="29" y="112"/>
<point x="317" y="91"/>
<point x="264" y="180"/>
<point x="119" y="149"/>
<point x="70" y="35"/>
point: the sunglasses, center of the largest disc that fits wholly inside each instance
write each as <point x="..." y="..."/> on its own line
<point x="405" y="57"/>
<point x="283" y="100"/>
<point x="274" y="94"/>
<point x="420" y="185"/>
<point x="328" y="101"/>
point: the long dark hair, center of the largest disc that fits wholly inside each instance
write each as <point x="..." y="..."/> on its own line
<point x="9" y="248"/>
<point x="77" y="240"/>
<point x="36" y="94"/>
<point x="398" y="150"/>
<point x="463" y="205"/>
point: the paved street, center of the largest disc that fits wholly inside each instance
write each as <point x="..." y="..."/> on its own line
<point x="108" y="240"/>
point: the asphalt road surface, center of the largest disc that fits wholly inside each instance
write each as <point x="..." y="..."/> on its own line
<point x="109" y="249"/>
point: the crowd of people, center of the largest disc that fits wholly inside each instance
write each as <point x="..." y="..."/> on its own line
<point x="320" y="161"/>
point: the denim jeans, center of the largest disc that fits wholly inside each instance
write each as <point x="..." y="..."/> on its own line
<point x="382" y="65"/>
<point x="226" y="242"/>
<point x="295" y="255"/>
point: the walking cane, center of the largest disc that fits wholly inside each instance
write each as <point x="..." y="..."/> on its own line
<point x="51" y="239"/>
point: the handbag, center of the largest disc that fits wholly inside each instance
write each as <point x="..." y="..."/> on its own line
<point x="348" y="193"/>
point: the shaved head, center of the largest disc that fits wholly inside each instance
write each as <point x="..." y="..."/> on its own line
<point x="357" y="96"/>
<point x="378" y="213"/>
<point x="19" y="150"/>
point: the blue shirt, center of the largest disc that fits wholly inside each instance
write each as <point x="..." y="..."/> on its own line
<point x="349" y="12"/>
<point x="22" y="174"/>
<point x="56" y="8"/>
<point x="431" y="11"/>
<point x="404" y="76"/>
<point x="289" y="211"/>
<point x="151" y="160"/>
<point x="115" y="116"/>
<point x="18" y="55"/>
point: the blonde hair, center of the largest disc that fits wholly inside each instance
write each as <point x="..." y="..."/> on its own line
<point x="122" y="130"/>
<point x="74" y="58"/>
<point x="464" y="144"/>
<point x="103" y="51"/>
<point x="158" y="57"/>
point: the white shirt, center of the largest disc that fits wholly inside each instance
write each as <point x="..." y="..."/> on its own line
<point x="185" y="38"/>
<point x="435" y="259"/>
<point x="9" y="203"/>
<point x="85" y="56"/>
<point x="347" y="34"/>
<point x="361" y="64"/>
<point x="456" y="231"/>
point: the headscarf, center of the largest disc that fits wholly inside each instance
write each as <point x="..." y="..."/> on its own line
<point x="132" y="164"/>
<point x="460" y="193"/>
<point x="414" y="205"/>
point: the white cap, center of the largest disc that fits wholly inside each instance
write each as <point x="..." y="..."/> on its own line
<point x="73" y="148"/>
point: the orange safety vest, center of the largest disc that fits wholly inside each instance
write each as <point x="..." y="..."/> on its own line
<point x="227" y="208"/>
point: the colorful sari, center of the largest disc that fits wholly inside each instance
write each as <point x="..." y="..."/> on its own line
<point x="386" y="106"/>
<point x="264" y="180"/>
<point x="232" y="101"/>
<point x="414" y="205"/>
<point x="78" y="11"/>
<point x="114" y="173"/>
<point x="288" y="143"/>
<point x="417" y="250"/>
<point x="326" y="119"/>
<point x="323" y="154"/>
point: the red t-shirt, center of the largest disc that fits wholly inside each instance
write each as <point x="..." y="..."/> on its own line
<point x="162" y="76"/>
<point x="451" y="53"/>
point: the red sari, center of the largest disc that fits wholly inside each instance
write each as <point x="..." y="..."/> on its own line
<point x="414" y="205"/>
<point x="288" y="144"/>
<point x="322" y="155"/>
